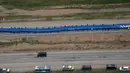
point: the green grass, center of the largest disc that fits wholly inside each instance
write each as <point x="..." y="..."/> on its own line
<point x="103" y="15"/>
<point x="35" y="3"/>
<point x="95" y="15"/>
<point x="101" y="6"/>
<point x="76" y="16"/>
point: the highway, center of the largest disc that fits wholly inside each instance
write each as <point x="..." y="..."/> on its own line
<point x="21" y="62"/>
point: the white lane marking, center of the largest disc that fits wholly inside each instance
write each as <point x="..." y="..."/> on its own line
<point x="94" y="56"/>
<point x="120" y="55"/>
<point x="24" y="58"/>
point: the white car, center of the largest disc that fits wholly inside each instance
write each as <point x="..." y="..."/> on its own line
<point x="124" y="68"/>
<point x="4" y="70"/>
<point x="68" y="68"/>
<point x="43" y="69"/>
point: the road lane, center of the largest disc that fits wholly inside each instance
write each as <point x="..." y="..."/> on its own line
<point x="27" y="61"/>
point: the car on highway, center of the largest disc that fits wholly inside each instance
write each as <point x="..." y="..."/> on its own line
<point x="68" y="68"/>
<point x="86" y="67"/>
<point x="4" y="70"/>
<point x="111" y="67"/>
<point x="124" y="68"/>
<point x="42" y="54"/>
<point x="43" y="69"/>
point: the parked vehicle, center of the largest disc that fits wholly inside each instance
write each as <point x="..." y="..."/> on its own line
<point x="86" y="67"/>
<point x="68" y="68"/>
<point x="4" y="70"/>
<point x="111" y="67"/>
<point x="43" y="69"/>
<point x="124" y="68"/>
<point x="42" y="54"/>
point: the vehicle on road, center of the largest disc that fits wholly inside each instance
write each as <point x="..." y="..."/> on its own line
<point x="42" y="54"/>
<point x="124" y="68"/>
<point x="111" y="67"/>
<point x="86" y="67"/>
<point x="4" y="70"/>
<point x="68" y="68"/>
<point x="43" y="69"/>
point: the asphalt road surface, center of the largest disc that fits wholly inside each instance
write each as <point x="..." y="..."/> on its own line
<point x="64" y="22"/>
<point x="20" y="62"/>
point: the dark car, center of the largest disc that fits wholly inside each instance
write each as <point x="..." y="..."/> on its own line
<point x="42" y="54"/>
<point x="86" y="67"/>
<point x="111" y="67"/>
<point x="4" y="70"/>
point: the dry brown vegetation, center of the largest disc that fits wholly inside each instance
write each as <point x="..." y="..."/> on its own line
<point x="69" y="42"/>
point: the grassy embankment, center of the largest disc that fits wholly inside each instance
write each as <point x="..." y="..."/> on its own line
<point x="78" y="44"/>
<point x="66" y="42"/>
<point x="77" y="16"/>
<point x="38" y="3"/>
<point x="92" y="15"/>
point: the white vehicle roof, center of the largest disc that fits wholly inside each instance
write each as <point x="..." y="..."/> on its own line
<point x="125" y="66"/>
<point x="67" y="66"/>
<point x="43" y="67"/>
<point x="3" y="68"/>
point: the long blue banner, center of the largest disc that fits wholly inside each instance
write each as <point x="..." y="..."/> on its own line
<point x="65" y="28"/>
